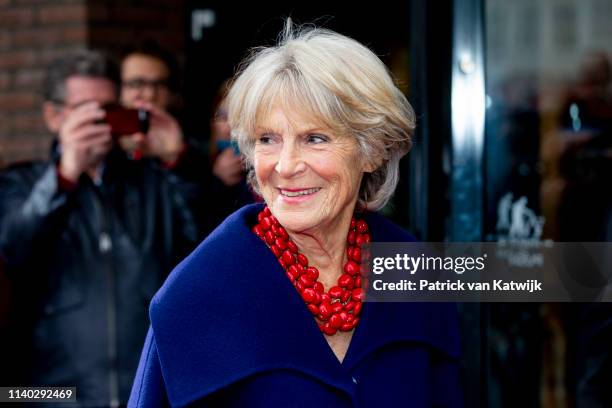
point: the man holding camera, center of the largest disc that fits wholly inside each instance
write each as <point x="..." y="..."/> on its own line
<point x="88" y="237"/>
<point x="150" y="80"/>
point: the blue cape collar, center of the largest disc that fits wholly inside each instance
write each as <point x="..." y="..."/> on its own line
<point x="228" y="311"/>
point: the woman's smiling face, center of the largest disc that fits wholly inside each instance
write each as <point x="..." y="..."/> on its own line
<point x="308" y="175"/>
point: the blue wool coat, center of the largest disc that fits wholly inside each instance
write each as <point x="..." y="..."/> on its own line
<point x="229" y="329"/>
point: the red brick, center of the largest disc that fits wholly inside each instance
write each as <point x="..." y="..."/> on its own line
<point x="24" y="152"/>
<point x="49" y="55"/>
<point x="5" y="39"/>
<point x="62" y="14"/>
<point x="29" y="123"/>
<point x="5" y="80"/>
<point x="13" y="17"/>
<point x="37" y="37"/>
<point x="29" y="78"/>
<point x="18" y="100"/>
<point x="17" y="59"/>
<point x="39" y="2"/>
<point x="76" y="35"/>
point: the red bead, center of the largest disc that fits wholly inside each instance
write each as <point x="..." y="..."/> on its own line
<point x="314" y="309"/>
<point x="308" y="295"/>
<point x="342" y="313"/>
<point x="362" y="227"/>
<point x="276" y="251"/>
<point x="327" y="329"/>
<point x="351" y="268"/>
<point x="270" y="237"/>
<point x="358" y="294"/>
<point x="344" y="280"/>
<point x="294" y="272"/>
<point x="266" y="223"/>
<point x="312" y="273"/>
<point x="352" y="237"/>
<point x="283" y="233"/>
<point x="307" y="283"/>
<point x="288" y="258"/>
<point x="292" y="247"/>
<point x="335" y="292"/>
<point x="346" y="327"/>
<point x="336" y="321"/>
<point x="325" y="310"/>
<point x="258" y="231"/>
<point x="302" y="260"/>
<point x="356" y="255"/>
<point x="336" y="307"/>
<point x="280" y="243"/>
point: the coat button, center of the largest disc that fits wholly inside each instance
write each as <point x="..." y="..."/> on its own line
<point x="354" y="380"/>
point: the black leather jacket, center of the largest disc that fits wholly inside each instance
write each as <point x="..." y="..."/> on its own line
<point x="85" y="264"/>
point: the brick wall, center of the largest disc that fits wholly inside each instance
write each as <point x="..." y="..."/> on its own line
<point x="32" y="33"/>
<point x="35" y="32"/>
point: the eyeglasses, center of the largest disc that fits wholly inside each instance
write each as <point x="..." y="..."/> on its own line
<point x="138" y="84"/>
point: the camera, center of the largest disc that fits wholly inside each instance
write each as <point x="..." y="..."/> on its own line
<point x="125" y="121"/>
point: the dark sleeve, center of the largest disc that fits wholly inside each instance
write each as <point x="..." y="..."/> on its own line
<point x="149" y="389"/>
<point x="595" y="356"/>
<point x="184" y="228"/>
<point x="31" y="212"/>
<point x="199" y="189"/>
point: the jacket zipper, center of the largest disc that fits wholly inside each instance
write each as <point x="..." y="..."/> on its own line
<point x="106" y="247"/>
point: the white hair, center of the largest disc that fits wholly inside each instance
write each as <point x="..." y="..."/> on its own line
<point x="337" y="81"/>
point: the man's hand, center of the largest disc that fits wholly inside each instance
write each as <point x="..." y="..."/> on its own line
<point x="228" y="167"/>
<point x="164" y="139"/>
<point x="84" y="142"/>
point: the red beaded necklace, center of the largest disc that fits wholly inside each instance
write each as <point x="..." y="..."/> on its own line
<point x="337" y="309"/>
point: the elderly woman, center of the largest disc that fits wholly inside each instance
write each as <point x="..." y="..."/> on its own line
<point x="268" y="311"/>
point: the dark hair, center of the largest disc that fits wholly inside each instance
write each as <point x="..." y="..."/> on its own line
<point x="87" y="63"/>
<point x="151" y="48"/>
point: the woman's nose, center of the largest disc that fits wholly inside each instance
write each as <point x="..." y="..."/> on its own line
<point x="290" y="161"/>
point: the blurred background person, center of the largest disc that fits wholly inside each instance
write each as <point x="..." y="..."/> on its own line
<point x="88" y="236"/>
<point x="150" y="80"/>
<point x="225" y="154"/>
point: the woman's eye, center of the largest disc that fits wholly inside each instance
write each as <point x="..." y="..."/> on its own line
<point x="264" y="139"/>
<point x="316" y="139"/>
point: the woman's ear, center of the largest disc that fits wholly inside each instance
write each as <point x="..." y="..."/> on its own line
<point x="371" y="165"/>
